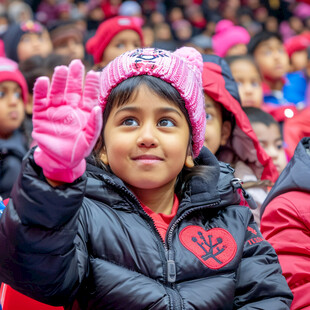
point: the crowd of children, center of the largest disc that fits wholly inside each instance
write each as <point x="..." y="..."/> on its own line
<point x="169" y="153"/>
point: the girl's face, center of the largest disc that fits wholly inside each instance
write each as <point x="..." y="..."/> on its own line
<point x="146" y="142"/>
<point x="32" y="44"/>
<point x="11" y="108"/>
<point x="238" y="49"/>
<point x="124" y="41"/>
<point x="270" y="139"/>
<point x="249" y="83"/>
<point x="217" y="131"/>
<point x="70" y="47"/>
<point x="272" y="59"/>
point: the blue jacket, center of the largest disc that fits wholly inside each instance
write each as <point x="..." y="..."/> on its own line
<point x="92" y="241"/>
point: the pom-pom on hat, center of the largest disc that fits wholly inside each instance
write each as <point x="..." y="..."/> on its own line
<point x="182" y="69"/>
<point x="228" y="35"/>
<point x="9" y="72"/>
<point x="107" y="30"/>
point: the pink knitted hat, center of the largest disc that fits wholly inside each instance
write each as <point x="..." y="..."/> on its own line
<point x="182" y="69"/>
<point x="9" y="72"/>
<point x="227" y="35"/>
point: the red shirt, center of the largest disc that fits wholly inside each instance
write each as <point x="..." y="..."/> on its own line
<point x="161" y="220"/>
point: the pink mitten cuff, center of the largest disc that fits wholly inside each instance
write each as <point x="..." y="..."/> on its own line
<point x="55" y="171"/>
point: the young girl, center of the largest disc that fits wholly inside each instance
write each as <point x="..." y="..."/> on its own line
<point x="246" y="73"/>
<point x="150" y="224"/>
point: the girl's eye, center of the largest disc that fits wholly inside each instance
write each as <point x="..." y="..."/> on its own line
<point x="208" y="117"/>
<point x="165" y="123"/>
<point x="120" y="45"/>
<point x="255" y="84"/>
<point x="130" y="122"/>
<point x="18" y="95"/>
<point x="1" y="94"/>
<point x="279" y="146"/>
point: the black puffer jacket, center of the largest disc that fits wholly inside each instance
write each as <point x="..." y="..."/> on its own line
<point x="93" y="241"/>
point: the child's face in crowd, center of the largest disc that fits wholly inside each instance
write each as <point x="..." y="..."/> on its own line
<point x="32" y="44"/>
<point x="124" y="41"/>
<point x="272" y="59"/>
<point x="271" y="140"/>
<point x="238" y="49"/>
<point x="249" y="83"/>
<point x="11" y="108"/>
<point x="299" y="60"/>
<point x="217" y="131"/>
<point x="146" y="142"/>
<point x="70" y="47"/>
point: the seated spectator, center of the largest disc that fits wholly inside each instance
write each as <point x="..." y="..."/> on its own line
<point x="13" y="90"/>
<point x="247" y="75"/>
<point x="285" y="223"/>
<point x="24" y="40"/>
<point x="113" y="37"/>
<point x="268" y="133"/>
<point x="269" y="53"/>
<point x="67" y="39"/>
<point x="229" y="134"/>
<point x="229" y="39"/>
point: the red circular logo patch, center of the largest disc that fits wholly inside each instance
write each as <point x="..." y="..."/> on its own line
<point x="215" y="248"/>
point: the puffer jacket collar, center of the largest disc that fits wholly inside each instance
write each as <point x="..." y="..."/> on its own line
<point x="214" y="188"/>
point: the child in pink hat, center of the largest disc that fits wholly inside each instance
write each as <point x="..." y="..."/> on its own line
<point x="13" y="96"/>
<point x="229" y="39"/>
<point x="113" y="37"/>
<point x="151" y="219"/>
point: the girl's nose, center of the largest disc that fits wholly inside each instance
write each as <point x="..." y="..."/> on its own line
<point x="147" y="137"/>
<point x="13" y="99"/>
<point x="248" y="88"/>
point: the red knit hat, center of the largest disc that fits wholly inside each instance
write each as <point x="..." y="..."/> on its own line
<point x="107" y="30"/>
<point x="297" y="43"/>
<point x="9" y="72"/>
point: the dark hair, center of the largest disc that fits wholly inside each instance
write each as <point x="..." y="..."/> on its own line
<point x="231" y="59"/>
<point x="128" y="90"/>
<point x="261" y="37"/>
<point x="257" y="115"/>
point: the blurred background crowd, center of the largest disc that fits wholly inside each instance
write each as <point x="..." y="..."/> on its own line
<point x="256" y="74"/>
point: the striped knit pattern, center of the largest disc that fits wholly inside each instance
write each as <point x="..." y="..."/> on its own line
<point x="182" y="69"/>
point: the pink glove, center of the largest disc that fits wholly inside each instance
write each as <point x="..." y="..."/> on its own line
<point x="66" y="121"/>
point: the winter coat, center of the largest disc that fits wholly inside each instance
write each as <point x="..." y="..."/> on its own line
<point x="12" y="151"/>
<point x="243" y="150"/>
<point x="92" y="240"/>
<point x="286" y="223"/>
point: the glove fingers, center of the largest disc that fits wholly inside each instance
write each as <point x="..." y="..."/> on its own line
<point x="74" y="87"/>
<point x="93" y="127"/>
<point x="58" y="85"/>
<point x="40" y="93"/>
<point x="91" y="90"/>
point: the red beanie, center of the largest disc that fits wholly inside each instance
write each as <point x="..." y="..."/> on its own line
<point x="9" y="72"/>
<point x="297" y="43"/>
<point x="107" y="30"/>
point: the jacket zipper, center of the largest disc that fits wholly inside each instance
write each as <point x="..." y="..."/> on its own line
<point x="175" y="299"/>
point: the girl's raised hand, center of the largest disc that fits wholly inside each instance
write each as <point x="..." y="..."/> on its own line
<point x="66" y="121"/>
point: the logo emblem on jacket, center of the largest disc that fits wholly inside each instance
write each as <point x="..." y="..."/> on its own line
<point x="215" y="248"/>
